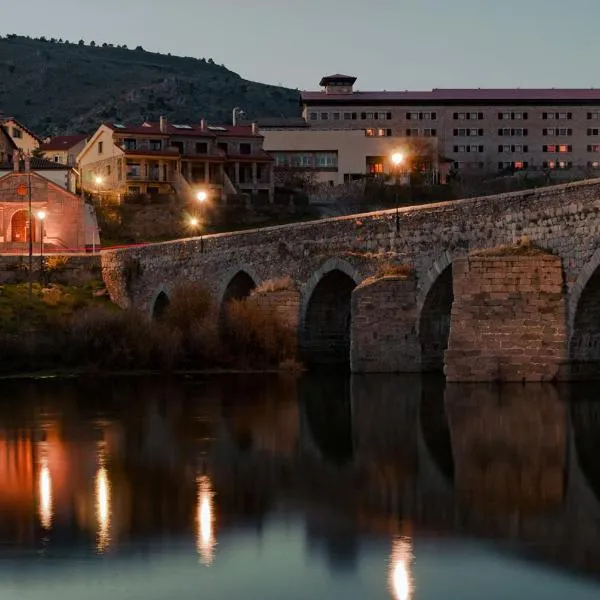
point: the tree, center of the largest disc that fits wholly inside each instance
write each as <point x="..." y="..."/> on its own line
<point x="37" y="153"/>
<point x="93" y="44"/>
<point x="81" y="43"/>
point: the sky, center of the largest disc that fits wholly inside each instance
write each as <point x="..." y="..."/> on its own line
<point x="387" y="44"/>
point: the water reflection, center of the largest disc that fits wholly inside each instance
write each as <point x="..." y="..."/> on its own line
<point x="45" y="493"/>
<point x="344" y="459"/>
<point x="205" y="538"/>
<point x="103" y="504"/>
<point x="400" y="579"/>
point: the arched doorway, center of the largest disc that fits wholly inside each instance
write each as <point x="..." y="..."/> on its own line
<point x="326" y="328"/>
<point x="161" y="304"/>
<point x="434" y="324"/>
<point x="19" y="227"/>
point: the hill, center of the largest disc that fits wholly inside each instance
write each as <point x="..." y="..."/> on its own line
<point x="59" y="87"/>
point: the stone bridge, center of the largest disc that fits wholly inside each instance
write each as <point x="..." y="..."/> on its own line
<point x="466" y="297"/>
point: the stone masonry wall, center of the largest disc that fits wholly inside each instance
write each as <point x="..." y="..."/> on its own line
<point x="76" y="268"/>
<point x="383" y="327"/>
<point x="508" y="319"/>
<point x="284" y="305"/>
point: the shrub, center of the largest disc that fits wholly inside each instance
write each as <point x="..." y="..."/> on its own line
<point x="256" y="338"/>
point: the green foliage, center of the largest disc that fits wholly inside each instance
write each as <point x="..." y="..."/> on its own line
<point x="88" y="79"/>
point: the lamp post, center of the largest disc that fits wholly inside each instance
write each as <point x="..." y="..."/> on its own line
<point x="202" y="197"/>
<point x="41" y="216"/>
<point x="98" y="180"/>
<point x="397" y="160"/>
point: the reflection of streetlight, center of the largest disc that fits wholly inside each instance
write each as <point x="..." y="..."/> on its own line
<point x="103" y="509"/>
<point x="41" y="216"/>
<point x="45" y="492"/>
<point x="399" y="569"/>
<point x="205" y="539"/>
<point x="397" y="160"/>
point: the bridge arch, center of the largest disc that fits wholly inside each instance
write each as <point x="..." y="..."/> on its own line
<point x="584" y="316"/>
<point x="159" y="303"/>
<point x="434" y="319"/>
<point x="325" y="313"/>
<point x="237" y="284"/>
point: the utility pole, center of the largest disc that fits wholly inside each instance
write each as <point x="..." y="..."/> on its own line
<point x="28" y="169"/>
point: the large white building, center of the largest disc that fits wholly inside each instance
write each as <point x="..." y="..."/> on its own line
<point x="482" y="129"/>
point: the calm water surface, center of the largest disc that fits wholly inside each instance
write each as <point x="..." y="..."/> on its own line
<point x="274" y="488"/>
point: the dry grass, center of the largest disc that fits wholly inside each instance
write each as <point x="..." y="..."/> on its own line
<point x="523" y="247"/>
<point x="279" y="284"/>
<point x="387" y="269"/>
<point x="255" y="338"/>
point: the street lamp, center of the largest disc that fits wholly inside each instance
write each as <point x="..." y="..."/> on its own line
<point x="397" y="160"/>
<point x="202" y="197"/>
<point x="41" y="216"/>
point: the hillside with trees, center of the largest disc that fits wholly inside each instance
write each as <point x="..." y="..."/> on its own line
<point x="58" y="86"/>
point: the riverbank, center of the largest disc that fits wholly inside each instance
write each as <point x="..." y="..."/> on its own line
<point x="63" y="330"/>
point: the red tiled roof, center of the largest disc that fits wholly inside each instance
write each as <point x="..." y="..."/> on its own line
<point x="189" y="130"/>
<point x="461" y="95"/>
<point x="63" y="142"/>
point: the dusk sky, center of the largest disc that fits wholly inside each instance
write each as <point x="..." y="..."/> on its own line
<point x="387" y="44"/>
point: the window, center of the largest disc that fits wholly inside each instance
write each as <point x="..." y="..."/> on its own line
<point x="474" y="148"/>
<point x="513" y="132"/>
<point x="336" y="116"/>
<point x="594" y="164"/>
<point x="430" y="132"/>
<point x="326" y="160"/>
<point x="563" y="116"/>
<point x="412" y="132"/>
<point x="559" y="164"/>
<point x="513" y="165"/>
<point x="313" y="116"/>
<point x="558" y="131"/>
<point x="245" y="148"/>
<point x="593" y="148"/>
<point x="382" y="132"/>
<point x="128" y="144"/>
<point x="368" y="116"/>
<point x="324" y="116"/>
<point x="468" y="132"/>
<point x="100" y="147"/>
<point x="593" y="116"/>
<point x="593" y="131"/>
<point x="369" y="132"/>
<point x="421" y="116"/>
<point x="557" y="148"/>
<point x="17" y="133"/>
<point x="512" y="116"/>
<point x="56" y="158"/>
<point x="201" y="148"/>
<point x="381" y="116"/>
<point x="155" y="145"/>
<point x="470" y="116"/>
<point x="347" y="116"/>
<point x="388" y="116"/>
<point x="460" y="148"/>
<point x="281" y="159"/>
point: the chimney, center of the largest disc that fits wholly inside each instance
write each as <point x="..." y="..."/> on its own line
<point x="163" y="124"/>
<point x="16" y="161"/>
<point x="203" y="125"/>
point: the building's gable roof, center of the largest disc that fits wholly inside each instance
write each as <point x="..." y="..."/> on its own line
<point x="104" y="128"/>
<point x="62" y="142"/>
<point x="24" y="127"/>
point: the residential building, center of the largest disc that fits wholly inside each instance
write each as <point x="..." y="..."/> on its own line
<point x="155" y="159"/>
<point x="482" y="129"/>
<point x="63" y="149"/>
<point x="25" y="140"/>
<point x="64" y="225"/>
<point x="7" y="146"/>
<point x="339" y="156"/>
<point x="61" y="175"/>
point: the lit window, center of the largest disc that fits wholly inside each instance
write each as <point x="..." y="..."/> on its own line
<point x="370" y="132"/>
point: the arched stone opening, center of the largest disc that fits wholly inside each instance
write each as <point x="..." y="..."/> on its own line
<point x="19" y="227"/>
<point x="161" y="304"/>
<point x="584" y="347"/>
<point x="434" y="323"/>
<point x="325" y="334"/>
<point x="240" y="287"/>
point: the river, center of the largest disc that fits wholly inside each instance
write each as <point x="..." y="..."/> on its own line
<point x="275" y="487"/>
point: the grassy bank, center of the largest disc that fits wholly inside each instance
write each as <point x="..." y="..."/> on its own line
<point x="67" y="329"/>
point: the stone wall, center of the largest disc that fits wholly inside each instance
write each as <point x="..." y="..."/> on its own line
<point x="508" y="319"/>
<point x="284" y="305"/>
<point x="383" y="328"/>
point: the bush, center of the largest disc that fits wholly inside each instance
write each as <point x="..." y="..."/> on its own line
<point x="256" y="338"/>
<point x="394" y="270"/>
<point x="279" y="284"/>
